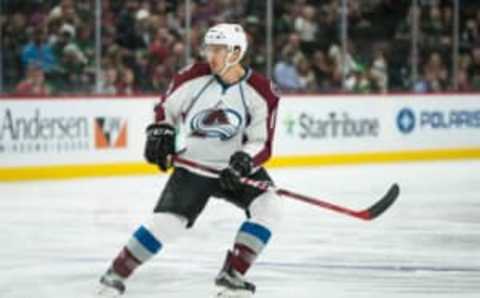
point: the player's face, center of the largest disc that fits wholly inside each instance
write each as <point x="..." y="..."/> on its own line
<point x="216" y="56"/>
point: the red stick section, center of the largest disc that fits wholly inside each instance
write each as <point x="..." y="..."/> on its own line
<point x="367" y="214"/>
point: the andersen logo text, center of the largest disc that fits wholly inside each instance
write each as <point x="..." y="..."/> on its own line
<point x="38" y="133"/>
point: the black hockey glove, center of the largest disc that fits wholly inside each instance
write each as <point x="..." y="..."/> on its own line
<point x="160" y="145"/>
<point x="240" y="165"/>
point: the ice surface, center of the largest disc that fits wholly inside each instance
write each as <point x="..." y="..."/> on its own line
<point x="59" y="236"/>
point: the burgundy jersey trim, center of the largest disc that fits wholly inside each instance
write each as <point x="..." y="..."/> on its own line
<point x="264" y="88"/>
<point x="187" y="74"/>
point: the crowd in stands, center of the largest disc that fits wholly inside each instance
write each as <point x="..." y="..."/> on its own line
<point x="49" y="46"/>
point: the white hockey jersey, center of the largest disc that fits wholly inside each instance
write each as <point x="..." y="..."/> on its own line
<point x="216" y="119"/>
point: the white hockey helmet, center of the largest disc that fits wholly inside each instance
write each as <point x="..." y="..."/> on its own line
<point x="231" y="35"/>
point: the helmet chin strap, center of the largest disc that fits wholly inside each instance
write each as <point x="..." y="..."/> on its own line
<point x="227" y="65"/>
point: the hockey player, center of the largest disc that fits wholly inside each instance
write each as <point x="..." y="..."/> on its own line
<point x="227" y="112"/>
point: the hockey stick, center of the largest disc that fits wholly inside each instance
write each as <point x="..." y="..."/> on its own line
<point x="368" y="214"/>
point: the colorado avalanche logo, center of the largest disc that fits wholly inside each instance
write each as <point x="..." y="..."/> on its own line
<point x="216" y="123"/>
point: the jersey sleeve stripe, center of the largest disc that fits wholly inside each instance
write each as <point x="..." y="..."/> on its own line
<point x="263" y="87"/>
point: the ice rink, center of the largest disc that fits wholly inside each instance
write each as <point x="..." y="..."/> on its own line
<point x="59" y="236"/>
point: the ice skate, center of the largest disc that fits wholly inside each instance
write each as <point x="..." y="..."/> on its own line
<point x="231" y="284"/>
<point x="110" y="286"/>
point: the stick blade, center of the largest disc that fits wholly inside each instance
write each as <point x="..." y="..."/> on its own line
<point x="383" y="204"/>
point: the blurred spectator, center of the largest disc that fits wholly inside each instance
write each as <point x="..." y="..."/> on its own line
<point x="436" y="34"/>
<point x="142" y="70"/>
<point x="470" y="34"/>
<point x="143" y="27"/>
<point x="322" y="69"/>
<point x="447" y="19"/>
<point x="39" y="52"/>
<point x="306" y="76"/>
<point x="161" y="78"/>
<point x="176" y="21"/>
<point x="204" y="11"/>
<point x="257" y="58"/>
<point x="474" y="68"/>
<point x="34" y="83"/>
<point x="349" y="65"/>
<point x="109" y="81"/>
<point x="306" y="25"/>
<point x="435" y="75"/>
<point x="16" y="28"/>
<point x="126" y="84"/>
<point x="127" y="27"/>
<point x="437" y="71"/>
<point x="464" y="84"/>
<point x="404" y="28"/>
<point x="379" y="70"/>
<point x="64" y="37"/>
<point x="285" y="73"/>
<point x="177" y="59"/>
<point x="160" y="47"/>
<point x="293" y="47"/>
<point x="85" y="43"/>
<point x="71" y="71"/>
<point x="144" y="43"/>
<point x="13" y="37"/>
<point x="65" y="11"/>
<point x="284" y="19"/>
<point x="359" y="81"/>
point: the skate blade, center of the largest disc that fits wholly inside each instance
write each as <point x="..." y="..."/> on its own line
<point x="227" y="293"/>
<point x="107" y="292"/>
